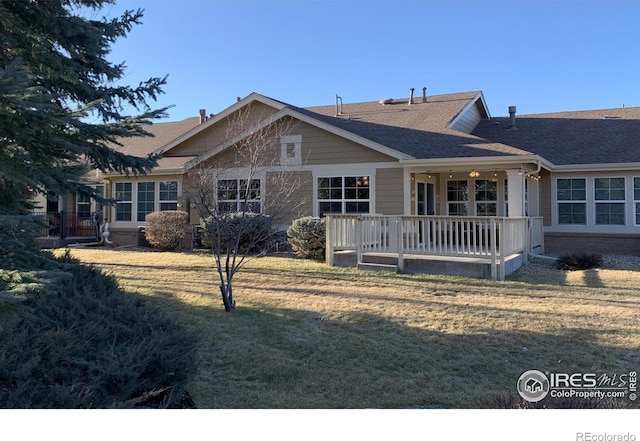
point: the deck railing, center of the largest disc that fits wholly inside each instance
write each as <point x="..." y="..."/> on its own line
<point x="493" y="238"/>
<point x="66" y="224"/>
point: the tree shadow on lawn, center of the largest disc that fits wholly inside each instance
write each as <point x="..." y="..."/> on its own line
<point x="268" y="357"/>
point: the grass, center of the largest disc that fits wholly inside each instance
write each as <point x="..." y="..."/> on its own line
<point x="306" y="335"/>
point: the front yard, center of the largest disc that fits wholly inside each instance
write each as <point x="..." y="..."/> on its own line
<point x="306" y="335"/>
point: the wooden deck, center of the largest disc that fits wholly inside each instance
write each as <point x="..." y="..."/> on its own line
<point x="487" y="247"/>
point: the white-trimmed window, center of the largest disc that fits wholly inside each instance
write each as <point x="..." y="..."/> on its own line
<point x="124" y="198"/>
<point x="149" y="196"/>
<point x="168" y="195"/>
<point x="458" y="197"/>
<point x="486" y="197"/>
<point x="291" y="150"/>
<point x="344" y="195"/>
<point x="571" y="195"/>
<point x="636" y="199"/>
<point x="83" y="206"/>
<point x="238" y="195"/>
<point x="610" y="201"/>
<point x="146" y="200"/>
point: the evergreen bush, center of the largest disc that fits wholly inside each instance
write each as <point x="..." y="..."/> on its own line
<point x="307" y="237"/>
<point x="84" y="343"/>
<point x="579" y="261"/>
<point x="166" y="229"/>
<point x="251" y="231"/>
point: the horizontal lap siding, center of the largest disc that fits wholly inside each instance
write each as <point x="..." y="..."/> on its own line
<point x="289" y="196"/>
<point x="389" y="191"/>
<point x="320" y="147"/>
<point x="222" y="130"/>
<point x="469" y="120"/>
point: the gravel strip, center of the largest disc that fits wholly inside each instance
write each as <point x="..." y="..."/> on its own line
<point x="546" y="264"/>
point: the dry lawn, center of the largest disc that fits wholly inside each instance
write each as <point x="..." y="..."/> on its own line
<point x="305" y="335"/>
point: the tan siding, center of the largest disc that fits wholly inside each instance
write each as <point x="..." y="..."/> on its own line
<point x="320" y="147"/>
<point x="288" y="196"/>
<point x="545" y="197"/>
<point x="222" y="130"/>
<point x="389" y="191"/>
<point x="469" y="120"/>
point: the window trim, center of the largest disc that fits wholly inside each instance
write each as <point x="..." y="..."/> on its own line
<point x="343" y="200"/>
<point x="464" y="203"/>
<point x="622" y="202"/>
<point x="237" y="200"/>
<point x="584" y="201"/>
<point x="133" y="220"/>
<point x="285" y="143"/>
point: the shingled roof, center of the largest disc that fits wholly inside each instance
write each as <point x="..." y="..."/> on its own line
<point x="609" y="136"/>
<point x="420" y="130"/>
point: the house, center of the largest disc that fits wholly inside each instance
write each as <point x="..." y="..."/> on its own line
<point x="421" y="176"/>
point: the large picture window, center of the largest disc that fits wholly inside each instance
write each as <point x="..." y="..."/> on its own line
<point x="610" y="201"/>
<point x="124" y="200"/>
<point x="239" y="195"/>
<point x="457" y="197"/>
<point x="343" y="195"/>
<point x="571" y="194"/>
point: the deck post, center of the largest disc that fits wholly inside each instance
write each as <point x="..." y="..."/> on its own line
<point x="503" y="254"/>
<point x="328" y="257"/>
<point x="358" y="233"/>
<point x="400" y="241"/>
<point x="494" y="249"/>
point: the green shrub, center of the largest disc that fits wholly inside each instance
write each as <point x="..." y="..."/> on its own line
<point x="251" y="231"/>
<point x="84" y="343"/>
<point x="166" y="229"/>
<point x="307" y="237"/>
<point x="579" y="261"/>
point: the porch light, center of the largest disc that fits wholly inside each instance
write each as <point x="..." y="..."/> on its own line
<point x="450" y="174"/>
<point x="474" y="173"/>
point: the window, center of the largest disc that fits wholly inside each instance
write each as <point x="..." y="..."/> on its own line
<point x="344" y="194"/>
<point x="610" y="201"/>
<point x="168" y="195"/>
<point x="486" y="197"/>
<point x="291" y="150"/>
<point x="457" y="197"/>
<point x="571" y="194"/>
<point x="83" y="206"/>
<point x="124" y="201"/>
<point x="146" y="198"/>
<point x="238" y="195"/>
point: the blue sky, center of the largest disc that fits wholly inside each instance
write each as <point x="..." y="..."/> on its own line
<point x="541" y="56"/>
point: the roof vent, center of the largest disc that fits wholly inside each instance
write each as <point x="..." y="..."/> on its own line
<point x="411" y="95"/>
<point x="386" y="101"/>
<point x="424" y="94"/>
<point x="203" y="115"/>
<point x="338" y="105"/>
<point x="512" y="117"/>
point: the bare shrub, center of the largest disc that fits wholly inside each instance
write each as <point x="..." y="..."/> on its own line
<point x="166" y="229"/>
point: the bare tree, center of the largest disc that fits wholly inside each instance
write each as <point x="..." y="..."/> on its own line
<point x="242" y="189"/>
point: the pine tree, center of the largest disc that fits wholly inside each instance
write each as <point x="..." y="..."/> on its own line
<point x="61" y="105"/>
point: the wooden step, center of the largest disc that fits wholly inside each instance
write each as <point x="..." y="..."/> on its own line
<point x="377" y="267"/>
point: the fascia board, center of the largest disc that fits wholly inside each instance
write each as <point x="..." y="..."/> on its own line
<point x="618" y="166"/>
<point x="445" y="163"/>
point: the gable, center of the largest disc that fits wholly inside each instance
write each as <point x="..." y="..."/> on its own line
<point x="215" y="133"/>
